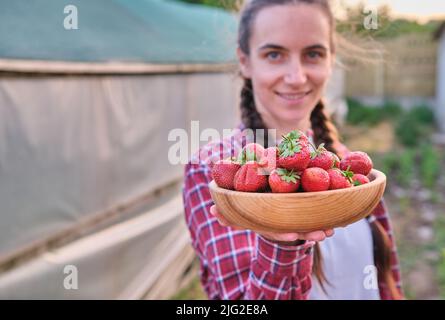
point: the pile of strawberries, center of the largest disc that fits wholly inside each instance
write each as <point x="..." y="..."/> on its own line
<point x="291" y="167"/>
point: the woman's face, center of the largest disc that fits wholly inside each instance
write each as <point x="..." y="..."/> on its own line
<point x="290" y="60"/>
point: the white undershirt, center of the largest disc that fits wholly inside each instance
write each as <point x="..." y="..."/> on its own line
<point x="348" y="262"/>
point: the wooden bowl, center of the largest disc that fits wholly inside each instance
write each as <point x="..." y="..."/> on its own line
<point x="299" y="212"/>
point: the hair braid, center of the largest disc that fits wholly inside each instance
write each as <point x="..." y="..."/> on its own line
<point x="323" y="128"/>
<point x="250" y="116"/>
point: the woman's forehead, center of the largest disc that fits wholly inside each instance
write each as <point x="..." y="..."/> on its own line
<point x="291" y="26"/>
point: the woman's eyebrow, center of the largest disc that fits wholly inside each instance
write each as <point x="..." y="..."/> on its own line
<point x="317" y="46"/>
<point x="269" y="46"/>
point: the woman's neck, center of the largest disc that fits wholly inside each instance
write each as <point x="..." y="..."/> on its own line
<point x="285" y="127"/>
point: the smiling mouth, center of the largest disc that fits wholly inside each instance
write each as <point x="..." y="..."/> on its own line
<point x="293" y="96"/>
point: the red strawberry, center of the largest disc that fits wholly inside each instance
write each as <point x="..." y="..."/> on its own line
<point x="282" y="180"/>
<point x="248" y="179"/>
<point x="339" y="179"/>
<point x="223" y="172"/>
<point x="251" y="152"/>
<point x="293" y="151"/>
<point x="315" y="179"/>
<point x="359" y="179"/>
<point x="269" y="160"/>
<point x="322" y="158"/>
<point x="357" y="162"/>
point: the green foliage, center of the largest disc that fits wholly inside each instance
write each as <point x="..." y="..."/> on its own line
<point x="391" y="110"/>
<point x="429" y="166"/>
<point x="411" y="127"/>
<point x="390" y="163"/>
<point x="423" y="114"/>
<point x="408" y="131"/>
<point x="359" y="113"/>
<point x="407" y="162"/>
<point x="224" y="4"/>
<point x="415" y="126"/>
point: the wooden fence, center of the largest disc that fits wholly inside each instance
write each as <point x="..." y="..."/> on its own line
<point x="408" y="68"/>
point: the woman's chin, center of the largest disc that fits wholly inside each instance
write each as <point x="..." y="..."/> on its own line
<point x="296" y="114"/>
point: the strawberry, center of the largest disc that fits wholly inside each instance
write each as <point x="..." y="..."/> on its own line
<point x="339" y="179"/>
<point x="359" y="179"/>
<point x="336" y="161"/>
<point x="223" y="172"/>
<point x="251" y="152"/>
<point x="315" y="179"/>
<point x="293" y="151"/>
<point x="357" y="162"/>
<point x="247" y="178"/>
<point x="282" y="180"/>
<point x="322" y="158"/>
<point x="269" y="160"/>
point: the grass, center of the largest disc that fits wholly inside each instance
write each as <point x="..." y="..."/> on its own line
<point x="412" y="127"/>
<point x="193" y="291"/>
<point x="406" y="164"/>
<point x="429" y="166"/>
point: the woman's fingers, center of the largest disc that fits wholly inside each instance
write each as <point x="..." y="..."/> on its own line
<point x="314" y="236"/>
<point x="318" y="235"/>
<point x="329" y="232"/>
<point x="281" y="237"/>
<point x="213" y="210"/>
<point x="222" y="221"/>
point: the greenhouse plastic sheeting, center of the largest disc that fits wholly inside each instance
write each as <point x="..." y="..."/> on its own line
<point x="71" y="147"/>
<point x="120" y="262"/>
<point x="152" y="31"/>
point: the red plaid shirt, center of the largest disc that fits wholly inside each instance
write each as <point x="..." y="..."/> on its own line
<point x="242" y="264"/>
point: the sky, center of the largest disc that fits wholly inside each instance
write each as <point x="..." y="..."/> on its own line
<point x="421" y="10"/>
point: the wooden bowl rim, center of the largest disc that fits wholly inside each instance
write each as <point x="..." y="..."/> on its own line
<point x="379" y="177"/>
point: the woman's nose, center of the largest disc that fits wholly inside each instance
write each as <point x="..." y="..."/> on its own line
<point x="296" y="74"/>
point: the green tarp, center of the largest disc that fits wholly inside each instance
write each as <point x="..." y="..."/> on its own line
<point x="151" y="31"/>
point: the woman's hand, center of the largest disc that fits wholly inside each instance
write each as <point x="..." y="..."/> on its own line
<point x="282" y="238"/>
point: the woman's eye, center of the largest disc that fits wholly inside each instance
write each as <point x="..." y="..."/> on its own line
<point x="314" y="54"/>
<point x="273" y="55"/>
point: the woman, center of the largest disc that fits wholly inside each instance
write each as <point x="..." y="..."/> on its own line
<point x="286" y="50"/>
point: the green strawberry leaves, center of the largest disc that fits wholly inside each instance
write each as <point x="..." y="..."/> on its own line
<point x="317" y="151"/>
<point x="288" y="176"/>
<point x="293" y="135"/>
<point x="290" y="145"/>
<point x="357" y="183"/>
<point x="245" y="156"/>
<point x="348" y="174"/>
